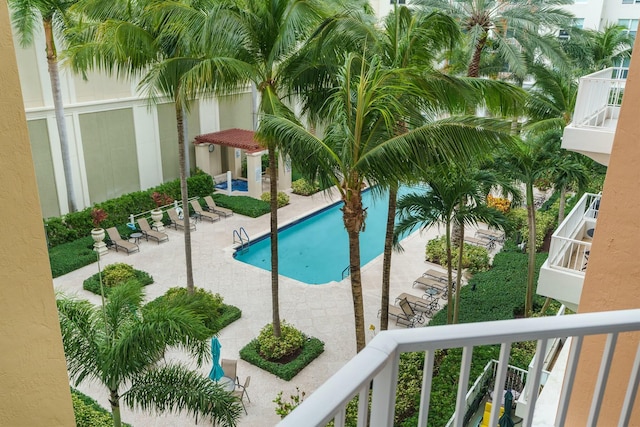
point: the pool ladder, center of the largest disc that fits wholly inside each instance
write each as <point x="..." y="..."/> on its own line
<point x="346" y="272"/>
<point x="244" y="244"/>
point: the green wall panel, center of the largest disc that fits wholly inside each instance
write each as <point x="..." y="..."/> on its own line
<point x="168" y="131"/>
<point x="110" y="155"/>
<point x="43" y="163"/>
<point x="236" y="112"/>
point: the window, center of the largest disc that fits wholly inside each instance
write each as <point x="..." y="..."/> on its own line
<point x="630" y="24"/>
<point x="398" y="1"/>
<point x="578" y="22"/>
<point x="628" y="1"/>
<point x="563" y="35"/>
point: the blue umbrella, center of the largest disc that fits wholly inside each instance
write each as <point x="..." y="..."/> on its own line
<point x="216" y="371"/>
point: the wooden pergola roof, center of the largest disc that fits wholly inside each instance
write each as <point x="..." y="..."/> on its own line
<point x="236" y="138"/>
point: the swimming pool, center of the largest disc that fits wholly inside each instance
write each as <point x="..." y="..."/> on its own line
<point x="315" y="249"/>
<point x="236" y="185"/>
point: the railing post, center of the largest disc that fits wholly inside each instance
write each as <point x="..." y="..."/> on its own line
<point x="383" y="399"/>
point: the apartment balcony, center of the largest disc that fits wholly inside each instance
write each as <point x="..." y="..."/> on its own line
<point x="596" y="114"/>
<point x="562" y="274"/>
<point x="373" y="373"/>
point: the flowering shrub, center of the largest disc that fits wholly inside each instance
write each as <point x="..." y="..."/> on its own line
<point x="97" y="216"/>
<point x="499" y="203"/>
<point x="161" y="199"/>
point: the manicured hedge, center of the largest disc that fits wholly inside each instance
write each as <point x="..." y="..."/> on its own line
<point x="78" y="224"/>
<point x="89" y="413"/>
<point x="311" y="349"/>
<point x="92" y="284"/>
<point x="71" y="256"/>
<point x="243" y="205"/>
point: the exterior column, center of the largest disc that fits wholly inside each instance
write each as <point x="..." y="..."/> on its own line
<point x="284" y="173"/>
<point x="254" y="174"/>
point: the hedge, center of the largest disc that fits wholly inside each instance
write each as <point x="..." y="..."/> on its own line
<point x="243" y="205"/>
<point x="71" y="256"/>
<point x="78" y="224"/>
<point x="89" y="413"/>
<point x="311" y="349"/>
<point x="92" y="284"/>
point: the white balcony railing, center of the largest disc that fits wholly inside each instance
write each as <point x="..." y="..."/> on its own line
<point x="376" y="368"/>
<point x="599" y="97"/>
<point x="567" y="249"/>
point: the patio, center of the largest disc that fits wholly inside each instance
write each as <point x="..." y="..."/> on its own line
<point x="322" y="311"/>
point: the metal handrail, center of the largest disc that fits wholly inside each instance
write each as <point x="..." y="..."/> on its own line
<point x="346" y="272"/>
<point x="243" y="245"/>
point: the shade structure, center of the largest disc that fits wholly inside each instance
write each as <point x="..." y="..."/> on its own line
<point x="505" y="420"/>
<point x="216" y="370"/>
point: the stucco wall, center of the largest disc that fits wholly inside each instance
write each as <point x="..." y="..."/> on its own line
<point x="34" y="388"/>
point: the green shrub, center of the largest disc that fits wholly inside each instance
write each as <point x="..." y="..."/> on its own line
<point x="89" y="413"/>
<point x="475" y="258"/>
<point x="273" y="348"/>
<point x="284" y="407"/>
<point x="545" y="222"/>
<point x="114" y="275"/>
<point x="283" y="199"/>
<point x="311" y="349"/>
<point x="304" y="187"/>
<point x="205" y="304"/>
<point x="70" y="256"/>
<point x="243" y="205"/>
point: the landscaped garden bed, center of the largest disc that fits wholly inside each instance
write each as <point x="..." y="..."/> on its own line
<point x="114" y="275"/>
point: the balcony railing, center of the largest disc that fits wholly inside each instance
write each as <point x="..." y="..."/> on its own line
<point x="376" y="368"/>
<point x="567" y="249"/>
<point x="599" y="97"/>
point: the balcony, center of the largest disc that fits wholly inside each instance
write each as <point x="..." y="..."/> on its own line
<point x="562" y="274"/>
<point x="596" y="114"/>
<point x="376" y="368"/>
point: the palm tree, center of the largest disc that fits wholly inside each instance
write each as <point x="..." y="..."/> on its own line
<point x="122" y="345"/>
<point x="504" y="22"/>
<point x="455" y="197"/>
<point x="361" y="145"/>
<point x="53" y="14"/>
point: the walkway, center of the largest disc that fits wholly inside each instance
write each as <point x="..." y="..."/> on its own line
<point x="322" y="311"/>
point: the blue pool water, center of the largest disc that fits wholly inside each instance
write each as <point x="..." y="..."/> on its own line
<point x="315" y="249"/>
<point x="236" y="185"/>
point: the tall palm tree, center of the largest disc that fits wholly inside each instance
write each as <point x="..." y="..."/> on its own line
<point x="519" y="20"/>
<point x="455" y="197"/>
<point x="122" y="345"/>
<point x="361" y="145"/>
<point x="53" y="14"/>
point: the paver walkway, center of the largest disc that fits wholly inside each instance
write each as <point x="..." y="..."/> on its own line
<point x="322" y="311"/>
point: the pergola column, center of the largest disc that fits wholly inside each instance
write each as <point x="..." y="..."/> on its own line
<point x="254" y="174"/>
<point x="284" y="173"/>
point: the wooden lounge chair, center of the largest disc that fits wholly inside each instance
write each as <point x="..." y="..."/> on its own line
<point x="148" y="232"/>
<point x="212" y="207"/>
<point x="200" y="213"/>
<point x="427" y="306"/>
<point x="118" y="242"/>
<point x="177" y="222"/>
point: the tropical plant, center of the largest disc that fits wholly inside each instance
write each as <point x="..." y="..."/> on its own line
<point x="54" y="15"/>
<point x="361" y="144"/>
<point x="122" y="345"/>
<point x="456" y="196"/>
<point x="593" y="50"/>
<point x="97" y="216"/>
<point x="513" y="27"/>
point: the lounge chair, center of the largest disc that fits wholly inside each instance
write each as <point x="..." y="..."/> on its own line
<point x="118" y="242"/>
<point x="148" y="232"/>
<point x="177" y="222"/>
<point x="427" y="306"/>
<point x="199" y="213"/>
<point x="404" y="314"/>
<point x="212" y="207"/>
<point x="489" y="244"/>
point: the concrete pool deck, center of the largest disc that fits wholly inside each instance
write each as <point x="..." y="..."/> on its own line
<point x="322" y="311"/>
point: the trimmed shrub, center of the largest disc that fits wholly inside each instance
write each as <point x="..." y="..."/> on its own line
<point x="283" y="199"/>
<point x="243" y="205"/>
<point x="475" y="258"/>
<point x="205" y="304"/>
<point x="71" y="256"/>
<point x="89" y="413"/>
<point x="545" y="222"/>
<point x="304" y="187"/>
<point x="114" y="275"/>
<point x="273" y="348"/>
<point x="311" y="349"/>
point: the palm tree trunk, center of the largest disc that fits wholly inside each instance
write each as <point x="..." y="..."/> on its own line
<point x="562" y="203"/>
<point x="449" y="273"/>
<point x="184" y="193"/>
<point x="386" y="261"/>
<point x="456" y="312"/>
<point x="531" y="217"/>
<point x="54" y="76"/>
<point x="114" y="400"/>
<point x="353" y="217"/>
<point x="474" y="65"/>
<point x="273" y="189"/>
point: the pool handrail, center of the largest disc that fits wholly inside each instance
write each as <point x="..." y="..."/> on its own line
<point x="243" y="245"/>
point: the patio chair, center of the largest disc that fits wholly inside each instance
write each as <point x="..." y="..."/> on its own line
<point x="489" y="244"/>
<point x="404" y="314"/>
<point x="212" y="207"/>
<point x="241" y="391"/>
<point x="426" y="305"/>
<point x="148" y="232"/>
<point x="230" y="366"/>
<point x="200" y="213"/>
<point x="177" y="222"/>
<point x="118" y="242"/>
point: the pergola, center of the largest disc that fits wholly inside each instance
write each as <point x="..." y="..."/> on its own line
<point x="210" y="160"/>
